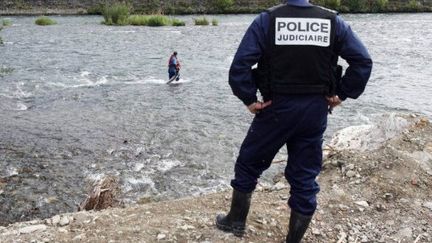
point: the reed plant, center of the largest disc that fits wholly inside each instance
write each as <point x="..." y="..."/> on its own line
<point x="141" y="20"/>
<point x="201" y="21"/>
<point x="6" y="22"/>
<point x="116" y="14"/>
<point x="215" y="22"/>
<point x="43" y="20"/>
<point x="178" y="22"/>
<point x="153" y="20"/>
<point x="158" y="20"/>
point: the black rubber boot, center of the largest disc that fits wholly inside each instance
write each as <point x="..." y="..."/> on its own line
<point x="297" y="227"/>
<point x="235" y="220"/>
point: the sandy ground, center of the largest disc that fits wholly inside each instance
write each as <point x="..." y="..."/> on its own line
<point x="383" y="195"/>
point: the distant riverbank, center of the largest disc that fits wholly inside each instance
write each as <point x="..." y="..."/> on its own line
<point x="76" y="7"/>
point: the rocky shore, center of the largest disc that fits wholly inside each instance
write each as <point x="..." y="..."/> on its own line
<point x="379" y="193"/>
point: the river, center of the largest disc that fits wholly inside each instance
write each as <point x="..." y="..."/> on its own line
<point x="80" y="100"/>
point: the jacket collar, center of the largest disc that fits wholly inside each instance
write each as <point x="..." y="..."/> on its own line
<point x="301" y="3"/>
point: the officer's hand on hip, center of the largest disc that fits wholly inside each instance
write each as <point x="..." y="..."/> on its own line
<point x="256" y="107"/>
<point x="333" y="101"/>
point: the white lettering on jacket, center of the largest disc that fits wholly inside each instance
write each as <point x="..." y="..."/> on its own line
<point x="303" y="31"/>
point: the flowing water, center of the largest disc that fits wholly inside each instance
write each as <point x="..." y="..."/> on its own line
<point x="80" y="100"/>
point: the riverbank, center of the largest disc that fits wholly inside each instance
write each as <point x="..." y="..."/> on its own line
<point x="378" y="193"/>
<point x="169" y="7"/>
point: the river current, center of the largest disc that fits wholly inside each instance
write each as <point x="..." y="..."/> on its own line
<point x="80" y="100"/>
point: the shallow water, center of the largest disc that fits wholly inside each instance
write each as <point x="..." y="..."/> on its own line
<point x="85" y="100"/>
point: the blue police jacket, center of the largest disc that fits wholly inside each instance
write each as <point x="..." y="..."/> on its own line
<point x="253" y="45"/>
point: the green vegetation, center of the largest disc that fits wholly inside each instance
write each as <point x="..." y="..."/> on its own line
<point x="5" y="70"/>
<point x="373" y="6"/>
<point x="355" y="5"/>
<point x="138" y="20"/>
<point x="6" y="22"/>
<point x="95" y="10"/>
<point x="116" y="14"/>
<point x="158" y="20"/>
<point x="378" y="6"/>
<point x="178" y="22"/>
<point x="215" y="22"/>
<point x="152" y="7"/>
<point x="221" y="5"/>
<point x="333" y="4"/>
<point x="413" y="5"/>
<point x="201" y="21"/>
<point x="154" y="20"/>
<point x="178" y="7"/>
<point x="45" y="21"/>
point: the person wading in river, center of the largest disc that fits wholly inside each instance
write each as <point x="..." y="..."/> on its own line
<point x="296" y="46"/>
<point x="173" y="66"/>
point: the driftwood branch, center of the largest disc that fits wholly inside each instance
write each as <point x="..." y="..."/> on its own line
<point x="103" y="195"/>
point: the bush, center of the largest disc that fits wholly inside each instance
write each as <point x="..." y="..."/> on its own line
<point x="201" y="21"/>
<point x="158" y="20"/>
<point x="177" y="22"/>
<point x="215" y="22"/>
<point x="379" y="5"/>
<point x="152" y="20"/>
<point x="138" y="20"/>
<point x="45" y="21"/>
<point x="333" y="4"/>
<point x="413" y="5"/>
<point x="117" y="14"/>
<point x="95" y="10"/>
<point x="221" y="5"/>
<point x="355" y="5"/>
<point x="6" y="22"/>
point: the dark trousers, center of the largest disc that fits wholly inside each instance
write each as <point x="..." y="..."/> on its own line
<point x="172" y="72"/>
<point x="297" y="121"/>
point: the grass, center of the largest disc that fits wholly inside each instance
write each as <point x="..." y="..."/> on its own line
<point x="201" y="21"/>
<point x="158" y="20"/>
<point x="6" y="22"/>
<point x="177" y="22"/>
<point x="154" y="20"/>
<point x="139" y="20"/>
<point x="117" y="14"/>
<point x="45" y="21"/>
<point x="215" y="22"/>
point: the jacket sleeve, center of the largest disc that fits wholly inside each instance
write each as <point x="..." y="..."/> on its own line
<point x="351" y="49"/>
<point x="248" y="53"/>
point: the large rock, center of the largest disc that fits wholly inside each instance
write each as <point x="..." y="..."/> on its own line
<point x="32" y="228"/>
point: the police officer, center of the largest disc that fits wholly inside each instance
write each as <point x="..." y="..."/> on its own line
<point x="296" y="46"/>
